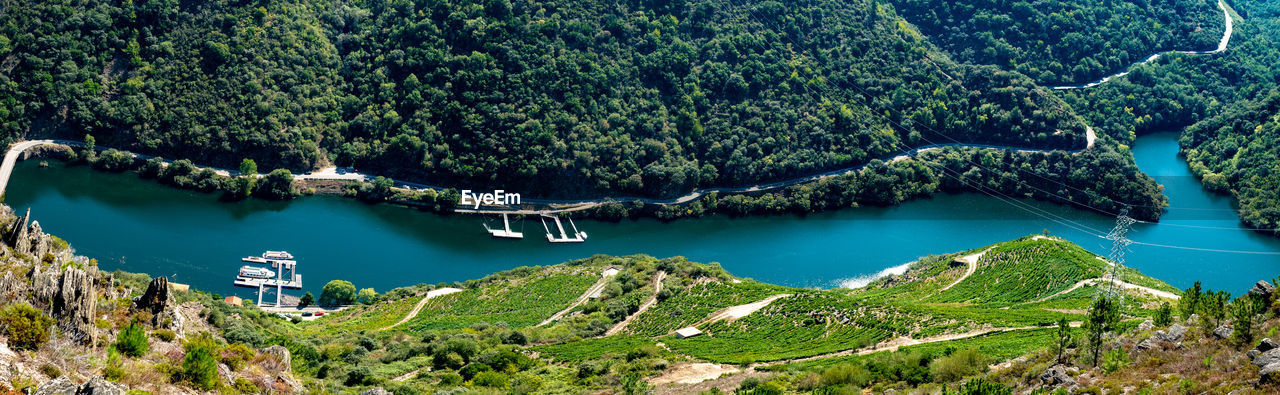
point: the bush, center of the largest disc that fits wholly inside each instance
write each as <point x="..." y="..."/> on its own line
<point x="450" y="379"/>
<point x="199" y="366"/>
<point x="490" y="379"/>
<point x="245" y="386"/>
<point x="980" y="386"/>
<point x="236" y="354"/>
<point x="958" y="365"/>
<point x="164" y="334"/>
<point x="25" y="326"/>
<point x="1164" y="315"/>
<point x="52" y="371"/>
<point x="132" y="340"/>
<point x="470" y="371"/>
<point x="114" y="370"/>
<point x="337" y="292"/>
<point x="1115" y="360"/>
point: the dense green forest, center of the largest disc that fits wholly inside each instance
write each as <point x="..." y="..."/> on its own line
<point x="1223" y="98"/>
<point x="1065" y="42"/>
<point x="552" y="98"/>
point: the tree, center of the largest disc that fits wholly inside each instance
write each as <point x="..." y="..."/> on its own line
<point x="1103" y="316"/>
<point x="1190" y="301"/>
<point x="1164" y="315"/>
<point x="1243" y="312"/>
<point x="367" y="296"/>
<point x="248" y="168"/>
<point x="89" y="143"/>
<point x="278" y="184"/>
<point x="25" y="326"/>
<point x="200" y="365"/>
<point x="337" y="293"/>
<point x="132" y="340"/>
<point x="1064" y="338"/>
<point x="307" y="300"/>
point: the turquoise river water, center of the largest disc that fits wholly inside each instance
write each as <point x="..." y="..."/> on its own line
<point x="141" y="226"/>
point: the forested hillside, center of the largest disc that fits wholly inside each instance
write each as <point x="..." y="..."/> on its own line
<point x="1060" y="42"/>
<point x="1230" y="89"/>
<point x="551" y="98"/>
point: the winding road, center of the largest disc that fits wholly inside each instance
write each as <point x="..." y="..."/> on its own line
<point x="565" y="205"/>
<point x="653" y="299"/>
<point x="418" y="307"/>
<point x="1222" y="46"/>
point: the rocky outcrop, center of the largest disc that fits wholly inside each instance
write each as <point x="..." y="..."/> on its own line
<point x="1269" y="374"/>
<point x="95" y="386"/>
<point x="1267" y="345"/>
<point x="1222" y="332"/>
<point x="28" y="239"/>
<point x="282" y="355"/>
<point x="12" y="288"/>
<point x="1173" y="335"/>
<point x="75" y="306"/>
<point x="1262" y="288"/>
<point x="1146" y="325"/>
<point x="159" y="301"/>
<point x="1056" y="376"/>
<point x="1267" y="357"/>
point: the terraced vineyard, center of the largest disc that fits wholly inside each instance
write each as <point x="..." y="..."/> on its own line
<point x="517" y="302"/>
<point x="808" y="323"/>
<point x="1022" y="271"/>
<point x="595" y="348"/>
<point x="364" y="318"/>
<point x="688" y="306"/>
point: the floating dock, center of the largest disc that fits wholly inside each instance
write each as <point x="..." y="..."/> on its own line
<point x="505" y="232"/>
<point x="577" y="237"/>
<point x="292" y="283"/>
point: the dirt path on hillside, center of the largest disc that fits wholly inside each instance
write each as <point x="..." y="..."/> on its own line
<point x="739" y="311"/>
<point x="653" y="299"/>
<point x="970" y="260"/>
<point x="1093" y="281"/>
<point x="595" y="290"/>
<point x="418" y="307"/>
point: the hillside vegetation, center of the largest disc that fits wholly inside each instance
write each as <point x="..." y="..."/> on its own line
<point x="549" y="98"/>
<point x="1065" y="42"/>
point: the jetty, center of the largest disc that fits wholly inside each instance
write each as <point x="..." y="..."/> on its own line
<point x="505" y="232"/>
<point x="577" y="236"/>
<point x="294" y="281"/>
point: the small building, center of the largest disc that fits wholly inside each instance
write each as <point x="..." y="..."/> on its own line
<point x="685" y="333"/>
<point x="233" y="300"/>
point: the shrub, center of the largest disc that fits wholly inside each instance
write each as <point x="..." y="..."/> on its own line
<point x="1164" y="315"/>
<point x="490" y="379"/>
<point x="307" y="300"/>
<point x="1115" y="360"/>
<point x="164" y="334"/>
<point x="844" y="374"/>
<point x="450" y="379"/>
<point x="49" y="370"/>
<point x="114" y="370"/>
<point x="132" y="340"/>
<point x="25" y="326"/>
<point x="958" y="365"/>
<point x="980" y="386"/>
<point x="470" y="371"/>
<point x="199" y="366"/>
<point x="245" y="386"/>
<point x="236" y="354"/>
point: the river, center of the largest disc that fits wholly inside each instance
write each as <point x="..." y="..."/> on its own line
<point x="141" y="226"/>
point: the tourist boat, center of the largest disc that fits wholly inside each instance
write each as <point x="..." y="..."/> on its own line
<point x="256" y="272"/>
<point x="277" y="255"/>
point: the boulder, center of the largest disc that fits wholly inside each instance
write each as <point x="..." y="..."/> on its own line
<point x="1176" y="332"/>
<point x="224" y="372"/>
<point x="1270" y="374"/>
<point x="1222" y="332"/>
<point x="1262" y="288"/>
<point x="1252" y="354"/>
<point x="100" y="386"/>
<point x="282" y="354"/>
<point x="58" y="386"/>
<point x="1267" y="345"/>
<point x="1056" y="376"/>
<point x="1146" y="344"/>
<point x="376" y="391"/>
<point x="1266" y="358"/>
<point x="1146" y="325"/>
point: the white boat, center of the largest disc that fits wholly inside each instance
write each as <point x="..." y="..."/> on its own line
<point x="277" y="255"/>
<point x="256" y="272"/>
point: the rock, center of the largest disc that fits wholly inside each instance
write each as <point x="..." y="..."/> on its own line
<point x="282" y="354"/>
<point x="100" y="386"/>
<point x="1266" y="358"/>
<point x="1222" y="332"/>
<point x="376" y="391"/>
<point x="1270" y="373"/>
<point x="1267" y="345"/>
<point x="58" y="386"/>
<point x="1056" y="376"/>
<point x="1252" y="354"/>
<point x="11" y="288"/>
<point x="1146" y="325"/>
<point x="1193" y="319"/>
<point x="17" y="234"/>
<point x="1146" y="344"/>
<point x="224" y="372"/>
<point x="1176" y="332"/>
<point x="160" y="303"/>
<point x="1262" y="288"/>
<point x="75" y="306"/>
